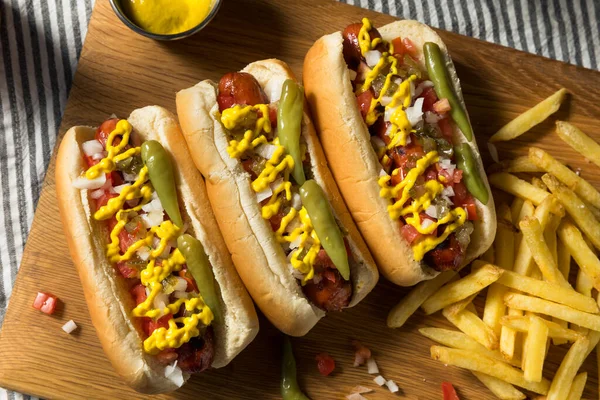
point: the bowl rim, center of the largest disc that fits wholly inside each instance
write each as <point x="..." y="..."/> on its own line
<point x="116" y="6"/>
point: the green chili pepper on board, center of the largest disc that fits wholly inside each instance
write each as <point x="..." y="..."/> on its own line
<point x="289" y="384"/>
<point x="436" y="68"/>
<point x="466" y="163"/>
<point x="289" y="124"/>
<point x="199" y="266"/>
<point x="160" y="171"/>
<point x="328" y="231"/>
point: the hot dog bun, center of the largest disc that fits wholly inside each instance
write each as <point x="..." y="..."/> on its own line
<point x="258" y="257"/>
<point x="107" y="296"/>
<point x="355" y="166"/>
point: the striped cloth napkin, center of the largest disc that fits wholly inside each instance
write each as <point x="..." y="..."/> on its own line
<point x="41" y="41"/>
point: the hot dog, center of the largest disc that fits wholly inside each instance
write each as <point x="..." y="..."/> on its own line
<point x="291" y="237"/>
<point x="162" y="292"/>
<point x="390" y="114"/>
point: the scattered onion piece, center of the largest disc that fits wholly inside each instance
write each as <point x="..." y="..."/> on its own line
<point x="392" y="386"/>
<point x="380" y="380"/>
<point x="361" y="354"/>
<point x="356" y="396"/>
<point x="372" y="366"/>
<point x="361" y="389"/>
<point x="70" y="326"/>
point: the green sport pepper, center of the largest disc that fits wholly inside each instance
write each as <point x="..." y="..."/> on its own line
<point x="289" y="384"/>
<point x="199" y="266"/>
<point x="328" y="231"/>
<point x="289" y="119"/>
<point x="436" y="68"/>
<point x="466" y="163"/>
<point x="160" y="171"/>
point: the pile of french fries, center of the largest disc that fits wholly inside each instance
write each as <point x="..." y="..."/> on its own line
<point x="529" y="304"/>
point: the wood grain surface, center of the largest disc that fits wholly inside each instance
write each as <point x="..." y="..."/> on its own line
<point x="120" y="71"/>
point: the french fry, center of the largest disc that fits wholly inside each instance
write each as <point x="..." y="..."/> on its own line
<point x="569" y="178"/>
<point x="537" y="182"/>
<point x="486" y="365"/>
<point x="461" y="305"/>
<point x="459" y="340"/>
<point x="564" y="266"/>
<point x="501" y="389"/>
<point x="534" y="237"/>
<point x="517" y="187"/>
<point x="413" y="300"/>
<point x="595" y="211"/>
<point x="582" y="216"/>
<point x="508" y="336"/>
<point x="535" y="349"/>
<point x="473" y="326"/>
<point x="573" y="241"/>
<point x="584" y="284"/>
<point x="527" y="210"/>
<point x="549" y="291"/>
<point x="530" y="118"/>
<point x="521" y="324"/>
<point x="462" y="288"/>
<point x="578" y="140"/>
<point x="515" y="209"/>
<point x="541" y="306"/>
<point x="563" y="379"/>
<point x="518" y="164"/>
<point x="577" y="387"/>
<point x="504" y="243"/>
<point x="550" y="236"/>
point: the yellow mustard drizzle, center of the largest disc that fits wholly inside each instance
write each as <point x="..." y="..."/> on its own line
<point x="279" y="165"/>
<point x="399" y="133"/>
<point x="181" y="329"/>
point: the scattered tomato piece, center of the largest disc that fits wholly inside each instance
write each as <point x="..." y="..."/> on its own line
<point x="45" y="302"/>
<point x="361" y="354"/>
<point x="325" y="363"/>
<point x="449" y="391"/>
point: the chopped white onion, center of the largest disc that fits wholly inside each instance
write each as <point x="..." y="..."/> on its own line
<point x="92" y="147"/>
<point x="361" y="389"/>
<point x="388" y="113"/>
<point x="296" y="201"/>
<point x="372" y="57"/>
<point x="70" y="326"/>
<point x="129" y="177"/>
<point x="431" y="117"/>
<point x="266" y="150"/>
<point x="160" y="302"/>
<point x="377" y="142"/>
<point x="181" y="284"/>
<point x="265" y="194"/>
<point x="412" y="89"/>
<point x="383" y="173"/>
<point x="414" y="114"/>
<point x="143" y="253"/>
<point x="448" y="191"/>
<point x="372" y="366"/>
<point x="154" y="205"/>
<point x="296" y="273"/>
<point x="426" y="223"/>
<point x="385" y="100"/>
<point x="392" y="386"/>
<point x="356" y="396"/>
<point x="493" y="152"/>
<point x="352" y="74"/>
<point x="81" y="182"/>
<point x="120" y="188"/>
<point x="380" y="380"/>
<point x="153" y="218"/>
<point x="273" y="88"/>
<point x="446" y="163"/>
<point x="99" y="156"/>
<point x="421" y="87"/>
<point x="296" y="242"/>
<point x="432" y="211"/>
<point x="180" y="294"/>
<point x="166" y="251"/>
<point x="278" y="182"/>
<point x="96" y="194"/>
<point x="174" y="374"/>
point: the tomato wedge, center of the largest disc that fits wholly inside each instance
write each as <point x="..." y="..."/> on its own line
<point x="449" y="391"/>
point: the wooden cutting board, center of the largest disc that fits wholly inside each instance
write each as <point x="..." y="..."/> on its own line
<point x="120" y="71"/>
